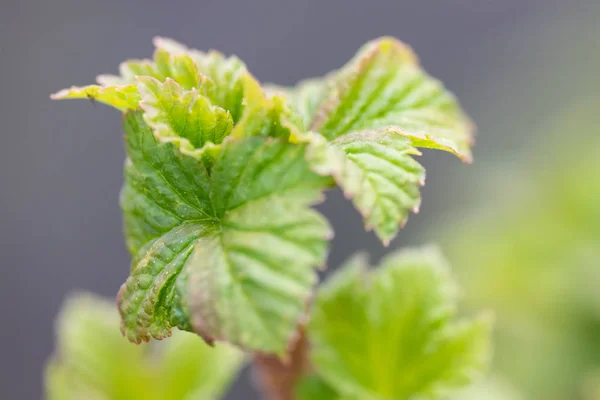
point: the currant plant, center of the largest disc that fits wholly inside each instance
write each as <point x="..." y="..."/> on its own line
<point x="220" y="177"/>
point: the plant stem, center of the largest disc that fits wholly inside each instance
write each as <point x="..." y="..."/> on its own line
<point x="277" y="377"/>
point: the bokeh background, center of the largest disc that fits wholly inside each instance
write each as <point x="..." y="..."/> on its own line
<point x="521" y="226"/>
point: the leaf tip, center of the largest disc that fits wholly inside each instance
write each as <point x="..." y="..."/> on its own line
<point x="58" y="95"/>
<point x="168" y="44"/>
<point x="65" y="93"/>
<point x="393" y="46"/>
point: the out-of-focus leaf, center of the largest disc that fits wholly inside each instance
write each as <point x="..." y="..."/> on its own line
<point x="390" y="333"/>
<point x="313" y="387"/>
<point x="489" y="389"/>
<point x="93" y="361"/>
<point x="539" y="242"/>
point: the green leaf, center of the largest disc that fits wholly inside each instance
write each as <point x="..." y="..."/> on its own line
<point x="366" y="120"/>
<point x="220" y="176"/>
<point x="383" y="87"/>
<point x="230" y="254"/>
<point x="592" y="387"/>
<point x="390" y="333"/>
<point x="377" y="171"/>
<point x="93" y="361"/>
<point x="230" y="81"/>
<point x="537" y="232"/>
<point x="192" y="370"/>
<point x="269" y="117"/>
<point x="489" y="389"/>
<point x="385" y="181"/>
<point x="122" y="92"/>
<point x="177" y="66"/>
<point x="184" y="116"/>
<point x="223" y="80"/>
<point x="312" y="387"/>
<point x="120" y="97"/>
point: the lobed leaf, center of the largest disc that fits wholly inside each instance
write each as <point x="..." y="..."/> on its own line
<point x="184" y="116"/>
<point x="376" y="170"/>
<point x="122" y="92"/>
<point x="384" y="87"/>
<point x="220" y="177"/>
<point x="93" y="361"/>
<point x="366" y="121"/>
<point x="259" y="265"/>
<point x="177" y="66"/>
<point x="269" y="117"/>
<point x="229" y="255"/>
<point x="230" y="81"/>
<point x="391" y="334"/>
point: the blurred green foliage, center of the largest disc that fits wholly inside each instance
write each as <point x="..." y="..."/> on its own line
<point x="532" y="254"/>
<point x="93" y="361"/>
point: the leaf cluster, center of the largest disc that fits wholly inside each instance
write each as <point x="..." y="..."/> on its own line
<point x="220" y="177"/>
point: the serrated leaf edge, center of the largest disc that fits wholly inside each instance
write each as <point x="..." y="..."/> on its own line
<point x="182" y="144"/>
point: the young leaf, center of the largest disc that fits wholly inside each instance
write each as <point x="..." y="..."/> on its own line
<point x="377" y="171"/>
<point x="269" y="117"/>
<point x="93" y="361"/>
<point x="180" y="115"/>
<point x="225" y="81"/>
<point x="388" y="176"/>
<point x="379" y="107"/>
<point x="220" y="177"/>
<point x="384" y="87"/>
<point x="121" y="97"/>
<point x="238" y="246"/>
<point x="377" y="99"/>
<point x="390" y="333"/>
<point x="122" y="93"/>
<point x="228" y="75"/>
<point x="177" y="66"/>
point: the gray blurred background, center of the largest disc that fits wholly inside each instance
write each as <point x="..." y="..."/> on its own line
<point x="61" y="162"/>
